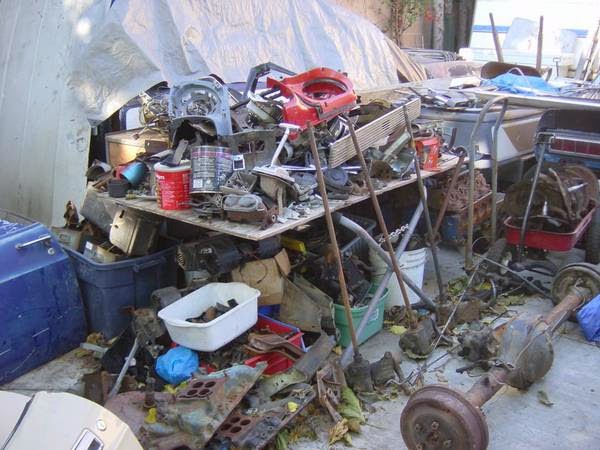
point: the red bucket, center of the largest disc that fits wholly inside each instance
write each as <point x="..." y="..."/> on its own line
<point x="173" y="186"/>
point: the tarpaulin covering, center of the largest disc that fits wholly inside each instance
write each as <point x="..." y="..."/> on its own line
<point x="144" y="42"/>
<point x="63" y="62"/>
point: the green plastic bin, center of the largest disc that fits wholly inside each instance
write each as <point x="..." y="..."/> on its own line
<point x="374" y="325"/>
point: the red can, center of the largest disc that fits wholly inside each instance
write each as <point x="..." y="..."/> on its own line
<point x="173" y="186"/>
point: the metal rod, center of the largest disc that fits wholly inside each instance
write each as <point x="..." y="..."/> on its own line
<point x="497" y="45"/>
<point x="382" y="226"/>
<point x="536" y="176"/>
<point x="365" y="236"/>
<point x="115" y="389"/>
<point x="444" y="207"/>
<point x="374" y="302"/>
<point x="540" y="44"/>
<point x="332" y="237"/>
<point x="495" y="132"/>
<point x="427" y="217"/>
<point x="471" y="186"/>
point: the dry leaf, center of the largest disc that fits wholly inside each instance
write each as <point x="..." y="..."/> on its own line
<point x="543" y="398"/>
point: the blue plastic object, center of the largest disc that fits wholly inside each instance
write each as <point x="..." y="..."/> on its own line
<point x="589" y="319"/>
<point x="521" y="84"/>
<point x="177" y="365"/>
<point x="40" y="304"/>
<point x="109" y="289"/>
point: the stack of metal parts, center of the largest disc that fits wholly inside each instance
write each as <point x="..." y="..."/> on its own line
<point x="249" y="154"/>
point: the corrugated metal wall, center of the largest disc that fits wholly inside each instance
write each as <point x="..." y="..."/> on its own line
<point x="43" y="139"/>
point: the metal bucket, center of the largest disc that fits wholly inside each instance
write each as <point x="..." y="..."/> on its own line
<point x="211" y="167"/>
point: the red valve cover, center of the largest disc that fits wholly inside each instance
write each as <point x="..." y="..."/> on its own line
<point x="315" y="96"/>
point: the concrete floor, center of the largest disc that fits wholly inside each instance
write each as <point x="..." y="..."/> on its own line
<point x="517" y="420"/>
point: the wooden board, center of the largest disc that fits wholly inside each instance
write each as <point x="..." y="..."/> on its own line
<point x="252" y="231"/>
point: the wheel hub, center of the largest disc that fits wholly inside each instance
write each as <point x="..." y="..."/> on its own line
<point x="578" y="274"/>
<point x="438" y="418"/>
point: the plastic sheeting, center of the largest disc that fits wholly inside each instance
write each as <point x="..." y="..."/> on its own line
<point x="66" y="61"/>
<point x="144" y="42"/>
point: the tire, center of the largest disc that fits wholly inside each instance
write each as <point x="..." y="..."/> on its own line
<point x="592" y="240"/>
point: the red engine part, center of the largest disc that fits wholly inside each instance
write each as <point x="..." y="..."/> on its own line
<point x="315" y="96"/>
<point x="428" y="150"/>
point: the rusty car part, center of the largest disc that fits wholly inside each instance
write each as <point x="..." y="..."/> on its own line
<point x="419" y="340"/>
<point x="480" y="345"/>
<point x="259" y="344"/>
<point x="190" y="418"/>
<point x="561" y="197"/>
<point x="437" y="417"/>
<point x="385" y="370"/>
<point x="249" y="208"/>
<point x="301" y="372"/>
<point x="358" y="374"/>
<point x="254" y="428"/>
<point x="330" y="381"/>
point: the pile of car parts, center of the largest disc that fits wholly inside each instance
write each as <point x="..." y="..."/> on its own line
<point x="437" y="417"/>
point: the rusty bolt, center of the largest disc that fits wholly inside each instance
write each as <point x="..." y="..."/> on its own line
<point x="419" y="447"/>
<point x="435" y="425"/>
<point x="447" y="443"/>
<point x="418" y="427"/>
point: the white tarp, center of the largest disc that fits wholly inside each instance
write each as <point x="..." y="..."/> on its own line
<point x="105" y="55"/>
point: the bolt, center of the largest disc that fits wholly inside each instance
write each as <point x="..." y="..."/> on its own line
<point x="447" y="443"/>
<point x="419" y="447"/>
<point x="418" y="427"/>
<point x="149" y="401"/>
<point x="435" y="425"/>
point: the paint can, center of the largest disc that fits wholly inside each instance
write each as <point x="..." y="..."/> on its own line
<point x="211" y="167"/>
<point x="173" y="186"/>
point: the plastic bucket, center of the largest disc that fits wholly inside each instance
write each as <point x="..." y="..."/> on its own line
<point x="412" y="264"/>
<point x="211" y="167"/>
<point x="374" y="324"/>
<point x="173" y="186"/>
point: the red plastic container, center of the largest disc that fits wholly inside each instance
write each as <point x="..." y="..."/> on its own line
<point x="546" y="240"/>
<point x="173" y="186"/>
<point x="276" y="362"/>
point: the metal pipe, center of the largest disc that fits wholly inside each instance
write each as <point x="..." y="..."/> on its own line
<point x="495" y="131"/>
<point x="115" y="389"/>
<point x="382" y="226"/>
<point x="423" y="196"/>
<point x="332" y="236"/>
<point x="412" y="225"/>
<point x="536" y="176"/>
<point x="471" y="189"/>
<point x="540" y="44"/>
<point x="497" y="45"/>
<point x="444" y="207"/>
<point x="365" y="236"/>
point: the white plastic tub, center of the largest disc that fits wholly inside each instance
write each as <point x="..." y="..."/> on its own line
<point x="412" y="264"/>
<point x="208" y="337"/>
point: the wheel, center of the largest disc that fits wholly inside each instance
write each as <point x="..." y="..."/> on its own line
<point x="592" y="240"/>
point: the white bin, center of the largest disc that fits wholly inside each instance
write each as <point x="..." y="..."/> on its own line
<point x="412" y="264"/>
<point x="208" y="337"/>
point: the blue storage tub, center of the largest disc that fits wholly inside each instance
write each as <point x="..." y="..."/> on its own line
<point x="109" y="289"/>
<point x="40" y="305"/>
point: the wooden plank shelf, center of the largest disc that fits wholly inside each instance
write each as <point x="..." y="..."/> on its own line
<point x="253" y="232"/>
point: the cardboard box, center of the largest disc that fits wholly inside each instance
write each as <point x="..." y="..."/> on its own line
<point x="266" y="275"/>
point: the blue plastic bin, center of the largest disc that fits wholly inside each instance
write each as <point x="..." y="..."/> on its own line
<point x="40" y="305"/>
<point x="108" y="289"/>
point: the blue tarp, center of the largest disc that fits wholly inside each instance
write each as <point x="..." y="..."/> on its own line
<point x="589" y="319"/>
<point x="521" y="84"/>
